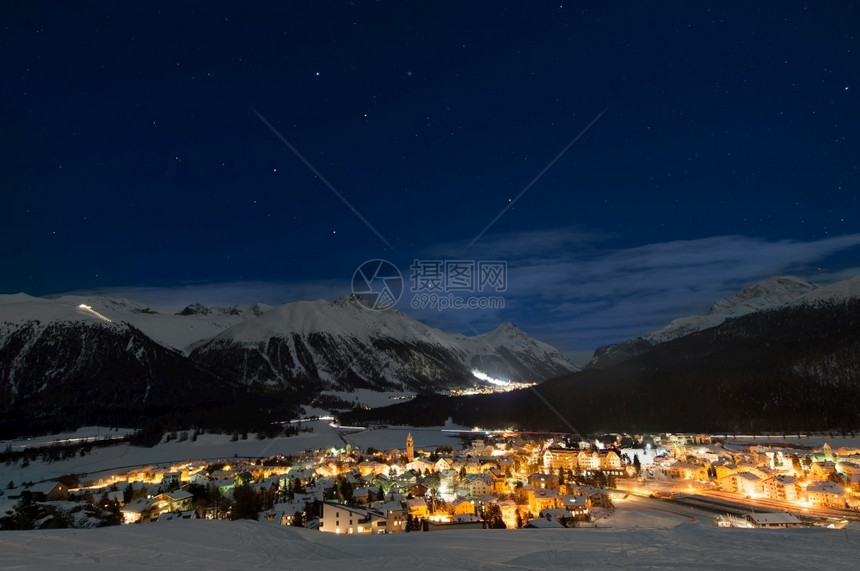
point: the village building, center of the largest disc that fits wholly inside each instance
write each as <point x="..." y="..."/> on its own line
<point x="462" y="506"/>
<point x="339" y="518"/>
<point x="781" y="487"/>
<point x="46" y="492"/>
<point x="543" y="481"/>
<point x="826" y="494"/>
<point x="555" y="458"/>
<point x="417" y="507"/>
<point x="541" y="499"/>
<point x="773" y="520"/>
<point x="576" y="505"/>
<point x="410" y="448"/>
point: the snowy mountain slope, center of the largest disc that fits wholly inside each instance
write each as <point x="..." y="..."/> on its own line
<point x="768" y="294"/>
<point x="772" y="293"/>
<point x="784" y="369"/>
<point x="342" y="345"/>
<point x="62" y="373"/>
<point x="176" y="331"/>
<point x="84" y="359"/>
<point x="20" y="308"/>
<point x="839" y="291"/>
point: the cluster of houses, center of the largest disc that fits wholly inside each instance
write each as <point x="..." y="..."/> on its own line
<point x="458" y="489"/>
<point x="347" y="491"/>
<point x="513" y="480"/>
<point x="821" y="478"/>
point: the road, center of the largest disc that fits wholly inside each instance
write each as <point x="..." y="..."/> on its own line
<point x="719" y="501"/>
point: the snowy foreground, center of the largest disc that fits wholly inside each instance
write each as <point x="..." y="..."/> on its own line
<point x="246" y="544"/>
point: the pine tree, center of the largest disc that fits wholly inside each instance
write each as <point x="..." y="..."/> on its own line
<point x="493" y="517"/>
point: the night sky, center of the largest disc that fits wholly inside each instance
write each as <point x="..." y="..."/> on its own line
<point x="143" y="153"/>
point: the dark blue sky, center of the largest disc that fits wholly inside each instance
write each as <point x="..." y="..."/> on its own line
<point x="133" y="163"/>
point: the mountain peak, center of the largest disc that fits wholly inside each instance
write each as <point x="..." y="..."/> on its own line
<point x="508" y="327"/>
<point x="195" y="309"/>
<point x="235" y="310"/>
<point x="766" y="294"/>
<point x="349" y="300"/>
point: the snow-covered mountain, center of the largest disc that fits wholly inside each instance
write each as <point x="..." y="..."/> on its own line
<point x="87" y="357"/>
<point x="254" y="310"/>
<point x="339" y="345"/>
<point x="772" y="293"/>
<point x="176" y="331"/>
<point x="78" y="369"/>
<point x="767" y="294"/>
<point x="835" y="292"/>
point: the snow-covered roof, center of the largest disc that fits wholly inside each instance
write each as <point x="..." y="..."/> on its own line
<point x="543" y="523"/>
<point x="554" y="512"/>
<point x="43" y="487"/>
<point x="138" y="506"/>
<point x="386" y="507"/>
<point x="571" y="501"/>
<point x="826" y="488"/>
<point x="179" y="495"/>
<point x="773" y="518"/>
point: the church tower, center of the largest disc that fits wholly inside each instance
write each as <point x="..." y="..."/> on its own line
<point x="410" y="448"/>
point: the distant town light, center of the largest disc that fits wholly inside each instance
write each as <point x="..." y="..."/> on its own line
<point x="487" y="378"/>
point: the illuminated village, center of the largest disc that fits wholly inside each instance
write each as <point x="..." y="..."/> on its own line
<point x="496" y="480"/>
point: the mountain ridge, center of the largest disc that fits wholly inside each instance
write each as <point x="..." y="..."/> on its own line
<point x="342" y="341"/>
<point x="64" y="357"/>
<point x="770" y="293"/>
<point x="781" y="369"/>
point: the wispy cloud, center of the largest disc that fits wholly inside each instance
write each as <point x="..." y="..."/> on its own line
<point x="610" y="295"/>
<point x="568" y="286"/>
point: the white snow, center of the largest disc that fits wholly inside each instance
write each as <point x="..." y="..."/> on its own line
<point x="112" y="459"/>
<point x="427" y="438"/>
<point x="342" y="319"/>
<point x="642" y="533"/>
<point x="348" y="322"/>
<point x="839" y="291"/>
<point x="771" y="293"/>
<point x="369" y="398"/>
<point x="175" y="331"/>
<point x="85" y="433"/>
<point x="202" y="544"/>
<point x="766" y="294"/>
